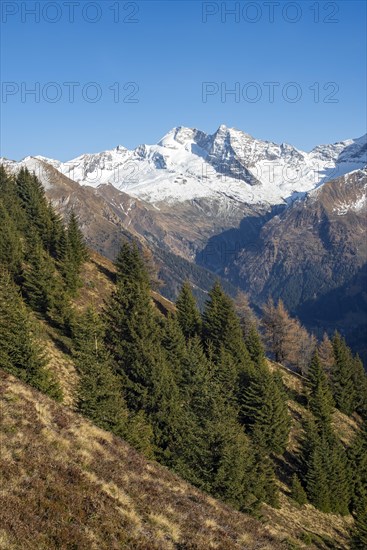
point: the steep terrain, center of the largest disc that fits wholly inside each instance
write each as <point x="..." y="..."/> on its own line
<point x="311" y="255"/>
<point x="267" y="218"/>
<point x="91" y="490"/>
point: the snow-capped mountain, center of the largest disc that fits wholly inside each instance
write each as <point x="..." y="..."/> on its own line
<point x="269" y="218"/>
<point x="188" y="164"/>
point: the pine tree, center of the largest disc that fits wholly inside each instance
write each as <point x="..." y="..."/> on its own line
<point x="174" y="343"/>
<point x="320" y="399"/>
<point x="188" y="314"/>
<point x="221" y="328"/>
<point x="317" y="487"/>
<point x="100" y="396"/>
<point x="359" y="536"/>
<point x="133" y="338"/>
<point x="342" y="380"/>
<point x="73" y="254"/>
<point x="297" y="491"/>
<point x="20" y="354"/>
<point x="360" y="387"/>
<point x="255" y="346"/>
<point x="357" y="455"/>
<point x="264" y="412"/>
<point x="11" y="250"/>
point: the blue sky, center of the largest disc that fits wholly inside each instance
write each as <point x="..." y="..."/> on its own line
<point x="173" y="64"/>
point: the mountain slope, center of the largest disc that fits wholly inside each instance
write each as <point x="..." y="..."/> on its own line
<point x="90" y="490"/>
<point x="314" y="248"/>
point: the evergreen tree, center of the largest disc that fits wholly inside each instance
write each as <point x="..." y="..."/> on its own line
<point x="360" y="387"/>
<point x="133" y="338"/>
<point x="174" y="343"/>
<point x="325" y="470"/>
<point x="221" y="328"/>
<point x="342" y="380"/>
<point x="73" y="253"/>
<point x="320" y="398"/>
<point x="357" y="455"/>
<point x="359" y="537"/>
<point x="255" y="346"/>
<point x="20" y="354"/>
<point x="297" y="491"/>
<point x="11" y="250"/>
<point x="188" y="314"/>
<point x="264" y="412"/>
<point x="100" y="396"/>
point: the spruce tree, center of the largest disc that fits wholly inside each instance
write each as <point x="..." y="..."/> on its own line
<point x="359" y="536"/>
<point x="264" y="412"/>
<point x="221" y="328"/>
<point x="174" y="343"/>
<point x="297" y="491"/>
<point x="20" y="353"/>
<point x="342" y="379"/>
<point x="134" y="339"/>
<point x="255" y="346"/>
<point x="317" y="486"/>
<point x="320" y="399"/>
<point x="357" y="455"/>
<point x="188" y="314"/>
<point x="73" y="253"/>
<point x="360" y="387"/>
<point x="100" y="395"/>
<point x="11" y="250"/>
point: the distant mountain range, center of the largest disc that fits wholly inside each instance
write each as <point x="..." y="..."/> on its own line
<point x="270" y="219"/>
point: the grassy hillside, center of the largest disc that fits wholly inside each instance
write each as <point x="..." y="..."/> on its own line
<point x="67" y="484"/>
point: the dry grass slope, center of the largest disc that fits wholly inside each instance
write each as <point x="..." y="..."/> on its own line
<point x="67" y="484"/>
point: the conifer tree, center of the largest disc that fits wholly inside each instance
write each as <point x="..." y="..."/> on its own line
<point x="73" y="254"/>
<point x="20" y="354"/>
<point x="317" y="487"/>
<point x="357" y="455"/>
<point x="221" y="328"/>
<point x="255" y="346"/>
<point x="297" y="491"/>
<point x="342" y="379"/>
<point x="360" y="387"/>
<point x="359" y="536"/>
<point x="326" y="473"/>
<point x="264" y="412"/>
<point x="188" y="314"/>
<point x="133" y="338"/>
<point x="247" y="318"/>
<point x="11" y="251"/>
<point x="174" y="343"/>
<point x="100" y="396"/>
<point x="320" y="398"/>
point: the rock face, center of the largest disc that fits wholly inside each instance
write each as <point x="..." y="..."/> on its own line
<point x="269" y="218"/>
<point x="313" y="255"/>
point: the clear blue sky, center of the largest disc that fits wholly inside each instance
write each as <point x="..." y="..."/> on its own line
<point x="168" y="53"/>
